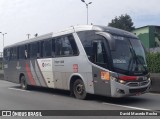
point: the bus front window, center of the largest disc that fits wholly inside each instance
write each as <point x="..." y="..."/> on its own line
<point x="138" y="62"/>
<point x="129" y="57"/>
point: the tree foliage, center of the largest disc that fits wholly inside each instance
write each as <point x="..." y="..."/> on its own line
<point x="153" y="62"/>
<point x="122" y="22"/>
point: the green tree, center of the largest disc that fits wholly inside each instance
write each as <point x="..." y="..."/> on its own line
<point x="122" y="22"/>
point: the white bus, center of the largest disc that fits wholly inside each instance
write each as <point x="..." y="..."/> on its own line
<point x="85" y="60"/>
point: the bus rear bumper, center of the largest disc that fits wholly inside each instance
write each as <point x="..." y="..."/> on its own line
<point x="121" y="90"/>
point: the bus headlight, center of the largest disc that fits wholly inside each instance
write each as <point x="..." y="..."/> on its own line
<point x="122" y="81"/>
<point x="149" y="79"/>
<point x="118" y="80"/>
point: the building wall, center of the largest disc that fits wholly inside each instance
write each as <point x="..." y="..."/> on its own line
<point x="152" y="37"/>
<point x="143" y="35"/>
<point x="147" y="35"/>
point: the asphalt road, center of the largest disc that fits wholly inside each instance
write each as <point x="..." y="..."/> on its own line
<point x="13" y="98"/>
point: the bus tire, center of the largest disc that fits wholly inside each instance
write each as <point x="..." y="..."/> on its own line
<point x="79" y="89"/>
<point x="24" y="84"/>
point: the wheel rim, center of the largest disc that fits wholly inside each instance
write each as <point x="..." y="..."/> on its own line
<point x="80" y="89"/>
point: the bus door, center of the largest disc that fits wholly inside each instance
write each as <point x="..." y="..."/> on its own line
<point x="100" y="77"/>
<point x="59" y="75"/>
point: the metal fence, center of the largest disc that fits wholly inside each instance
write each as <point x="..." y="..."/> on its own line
<point x="154" y="50"/>
<point x="1" y="60"/>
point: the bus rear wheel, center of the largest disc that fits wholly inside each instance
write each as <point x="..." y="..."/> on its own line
<point x="24" y="84"/>
<point x="79" y="89"/>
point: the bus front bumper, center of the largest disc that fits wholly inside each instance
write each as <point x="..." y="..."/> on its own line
<point x="123" y="90"/>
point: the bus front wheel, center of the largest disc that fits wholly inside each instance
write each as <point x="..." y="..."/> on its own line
<point x="79" y="89"/>
<point x="24" y="84"/>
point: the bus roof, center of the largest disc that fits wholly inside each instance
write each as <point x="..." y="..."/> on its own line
<point x="116" y="31"/>
<point x="77" y="28"/>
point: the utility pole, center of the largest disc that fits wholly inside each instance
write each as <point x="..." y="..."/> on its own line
<point x="28" y="35"/>
<point x="3" y="37"/>
<point x="87" y="4"/>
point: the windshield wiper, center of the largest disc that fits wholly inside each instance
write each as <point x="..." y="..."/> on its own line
<point x="136" y="59"/>
<point x="132" y="59"/>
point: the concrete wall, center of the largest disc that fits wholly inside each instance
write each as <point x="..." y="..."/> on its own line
<point x="155" y="85"/>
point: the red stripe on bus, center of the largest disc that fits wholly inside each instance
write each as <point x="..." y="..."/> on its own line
<point x="128" y="78"/>
<point x="41" y="74"/>
<point x="30" y="75"/>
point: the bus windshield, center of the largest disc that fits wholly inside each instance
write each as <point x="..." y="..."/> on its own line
<point x="129" y="56"/>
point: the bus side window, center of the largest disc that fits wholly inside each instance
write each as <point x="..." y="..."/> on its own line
<point x="28" y="51"/>
<point x="86" y="38"/>
<point x="38" y="49"/>
<point x="13" y="53"/>
<point x="66" y="49"/>
<point x="65" y="46"/>
<point x="73" y="45"/>
<point x="47" y="48"/>
<point x="17" y="52"/>
<point x="53" y="47"/>
<point x="34" y="50"/>
<point x="6" y="54"/>
<point x="41" y="49"/>
<point x="58" y="47"/>
<point x="21" y="52"/>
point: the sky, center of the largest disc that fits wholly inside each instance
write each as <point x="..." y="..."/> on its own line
<point x="21" y="17"/>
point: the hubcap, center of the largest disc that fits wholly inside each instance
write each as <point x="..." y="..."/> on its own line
<point x="79" y="89"/>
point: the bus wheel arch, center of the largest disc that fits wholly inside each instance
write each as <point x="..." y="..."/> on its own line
<point x="77" y="87"/>
<point x="23" y="82"/>
<point x="20" y="76"/>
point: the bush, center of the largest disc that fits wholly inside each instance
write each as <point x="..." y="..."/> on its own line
<point x="153" y="61"/>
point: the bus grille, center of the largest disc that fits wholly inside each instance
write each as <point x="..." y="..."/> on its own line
<point x="134" y="84"/>
<point x="138" y="90"/>
<point x="144" y="83"/>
